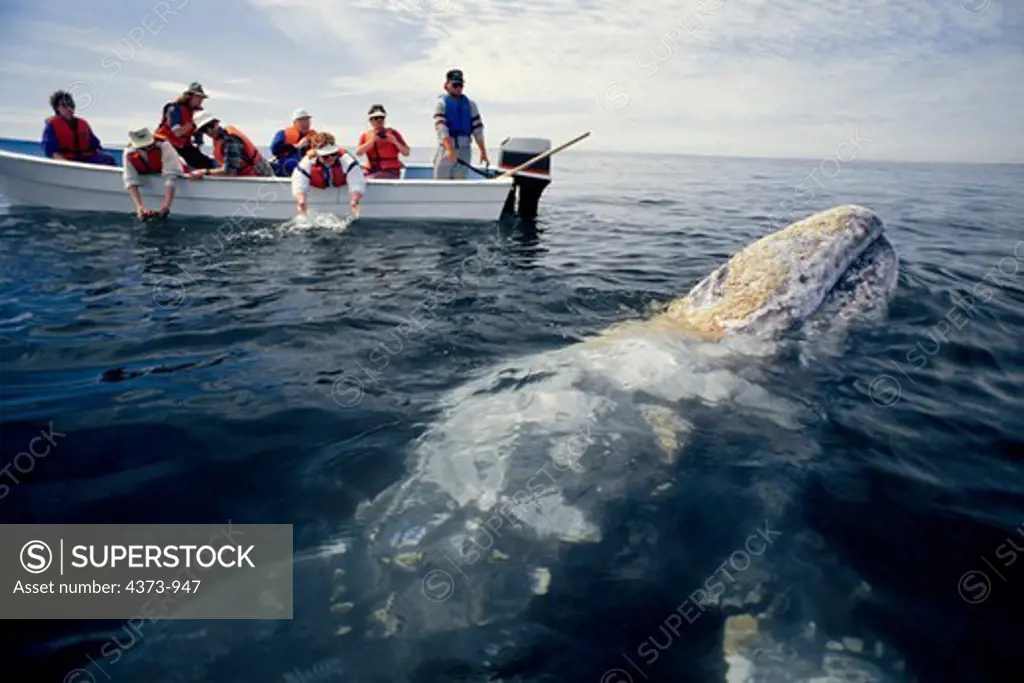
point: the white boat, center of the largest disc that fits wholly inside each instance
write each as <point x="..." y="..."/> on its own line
<point x="33" y="180"/>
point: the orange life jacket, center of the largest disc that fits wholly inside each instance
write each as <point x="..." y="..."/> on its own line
<point x="164" y="132"/>
<point x="150" y="162"/>
<point x="383" y="156"/>
<point x="319" y="173"/>
<point x="293" y="137"/>
<point x="72" y="144"/>
<point x="250" y="154"/>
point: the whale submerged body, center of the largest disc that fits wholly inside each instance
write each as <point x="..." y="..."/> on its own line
<point x="524" y="459"/>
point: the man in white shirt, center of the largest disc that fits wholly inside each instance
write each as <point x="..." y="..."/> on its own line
<point x="331" y="166"/>
<point x="145" y="155"/>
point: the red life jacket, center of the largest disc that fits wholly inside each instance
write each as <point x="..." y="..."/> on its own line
<point x="164" y="132"/>
<point x="250" y="154"/>
<point x="383" y="156"/>
<point x="72" y="144"/>
<point x="150" y="162"/>
<point x="318" y="173"/>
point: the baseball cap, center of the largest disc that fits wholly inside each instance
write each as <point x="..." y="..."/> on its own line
<point x="454" y="76"/>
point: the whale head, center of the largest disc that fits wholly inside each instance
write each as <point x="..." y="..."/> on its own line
<point x="782" y="279"/>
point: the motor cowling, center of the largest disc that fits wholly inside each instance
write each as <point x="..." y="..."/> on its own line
<point x="530" y="182"/>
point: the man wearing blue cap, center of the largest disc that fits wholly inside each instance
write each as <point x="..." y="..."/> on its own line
<point x="456" y="119"/>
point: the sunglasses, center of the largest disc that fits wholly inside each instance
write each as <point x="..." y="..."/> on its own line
<point x="329" y="157"/>
<point x="376" y="118"/>
<point x="457" y="85"/>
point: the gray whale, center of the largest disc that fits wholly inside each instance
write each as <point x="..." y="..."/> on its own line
<point x="523" y="460"/>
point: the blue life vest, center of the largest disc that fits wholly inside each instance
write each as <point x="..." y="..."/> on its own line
<point x="458" y="115"/>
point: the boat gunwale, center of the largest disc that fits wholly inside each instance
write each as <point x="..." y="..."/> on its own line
<point x="76" y="165"/>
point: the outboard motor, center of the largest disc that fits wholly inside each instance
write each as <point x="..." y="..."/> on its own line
<point x="531" y="181"/>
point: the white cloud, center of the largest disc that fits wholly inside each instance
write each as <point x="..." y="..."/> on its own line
<point x="775" y="77"/>
<point x="923" y="79"/>
<point x="173" y="89"/>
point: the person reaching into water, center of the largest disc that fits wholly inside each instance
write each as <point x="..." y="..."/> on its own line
<point x="70" y="138"/>
<point x="381" y="145"/>
<point x="178" y="127"/>
<point x="232" y="149"/>
<point x="456" y="118"/>
<point x="326" y="165"/>
<point x="145" y="155"/>
<point x="291" y="143"/>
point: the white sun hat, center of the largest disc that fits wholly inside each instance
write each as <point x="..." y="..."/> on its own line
<point x="203" y="119"/>
<point x="140" y="137"/>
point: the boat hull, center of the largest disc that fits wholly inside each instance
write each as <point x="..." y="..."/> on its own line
<point x="37" y="181"/>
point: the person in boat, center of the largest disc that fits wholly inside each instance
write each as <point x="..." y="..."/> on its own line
<point x="381" y="145"/>
<point x="456" y="119"/>
<point x="177" y="126"/>
<point x="291" y="143"/>
<point x="232" y="149"/>
<point x="146" y="155"/>
<point x="68" y="137"/>
<point x="327" y="165"/>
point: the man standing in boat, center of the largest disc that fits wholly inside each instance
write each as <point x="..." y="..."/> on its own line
<point x="177" y="126"/>
<point x="456" y="119"/>
<point x="291" y="143"/>
<point x="329" y="166"/>
<point x="70" y="138"/>
<point x="232" y="149"/>
<point x="145" y="155"/>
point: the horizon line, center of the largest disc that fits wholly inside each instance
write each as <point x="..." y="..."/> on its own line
<point x="704" y="155"/>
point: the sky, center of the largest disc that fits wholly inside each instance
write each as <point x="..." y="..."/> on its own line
<point x="912" y="80"/>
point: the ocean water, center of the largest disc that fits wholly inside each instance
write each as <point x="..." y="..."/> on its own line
<point x="284" y="375"/>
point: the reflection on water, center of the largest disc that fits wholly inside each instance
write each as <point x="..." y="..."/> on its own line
<point x="196" y="377"/>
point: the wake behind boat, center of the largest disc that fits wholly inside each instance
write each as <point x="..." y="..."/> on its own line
<point x="32" y="180"/>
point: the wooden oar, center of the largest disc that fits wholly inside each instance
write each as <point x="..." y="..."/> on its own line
<point x="544" y="155"/>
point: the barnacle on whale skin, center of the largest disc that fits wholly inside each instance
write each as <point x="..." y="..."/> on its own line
<point x="385" y="616"/>
<point x="669" y="429"/>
